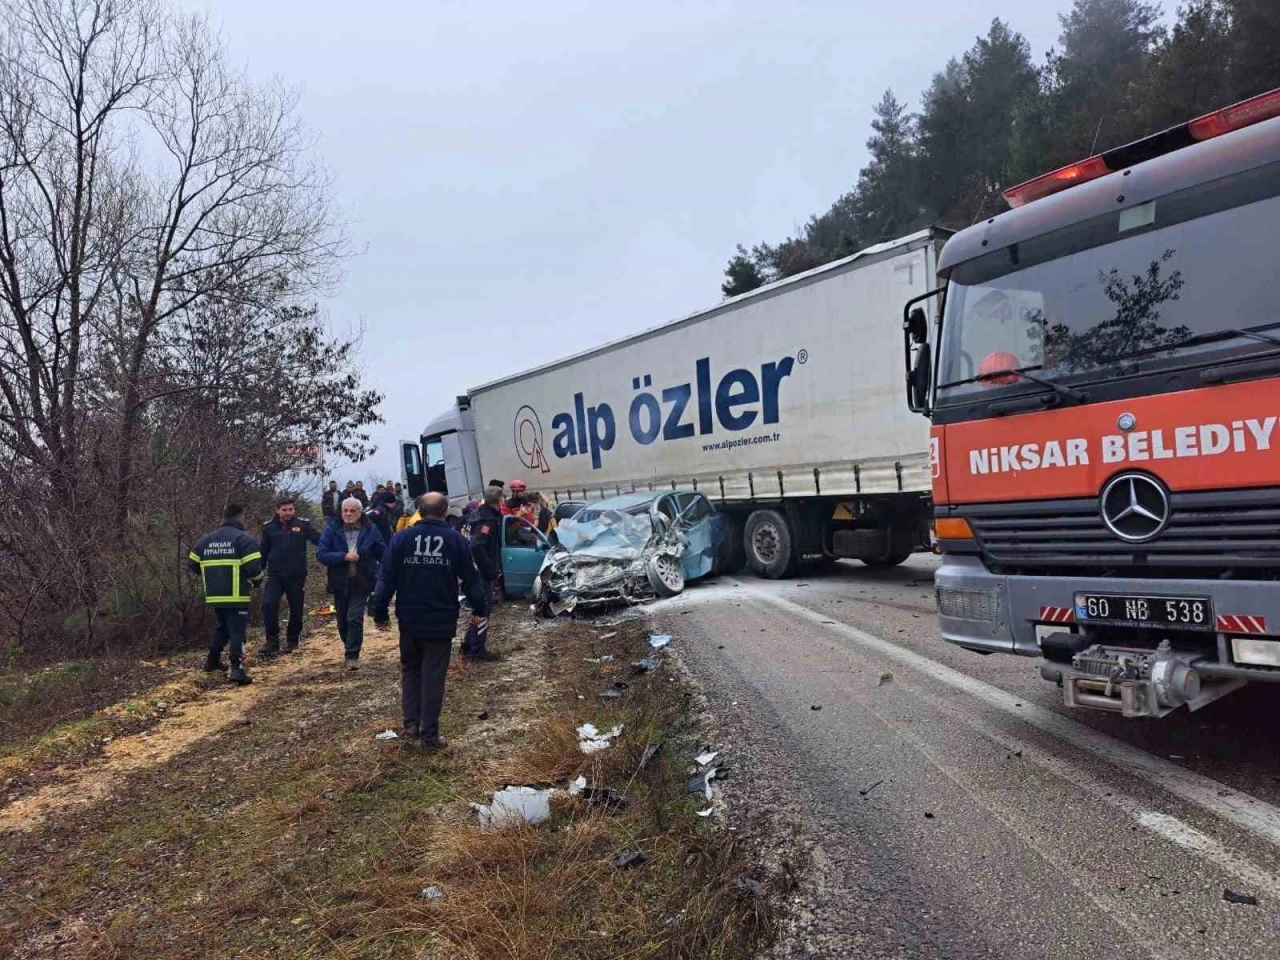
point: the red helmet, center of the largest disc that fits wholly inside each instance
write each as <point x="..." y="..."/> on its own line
<point x="996" y="363"/>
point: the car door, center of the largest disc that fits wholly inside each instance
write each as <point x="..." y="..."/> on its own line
<point x="523" y="550"/>
<point x="702" y="527"/>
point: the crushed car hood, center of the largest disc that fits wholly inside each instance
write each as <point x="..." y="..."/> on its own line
<point x="603" y="561"/>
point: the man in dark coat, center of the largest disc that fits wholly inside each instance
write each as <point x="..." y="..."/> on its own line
<point x="351" y="547"/>
<point x="284" y="551"/>
<point x="486" y="552"/>
<point x="422" y="569"/>
<point x="331" y="500"/>
<point x="229" y="565"/>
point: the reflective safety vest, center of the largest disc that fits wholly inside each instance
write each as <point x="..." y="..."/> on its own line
<point x="229" y="563"/>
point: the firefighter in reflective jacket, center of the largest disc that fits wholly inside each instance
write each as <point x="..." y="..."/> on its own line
<point x="230" y="565"/>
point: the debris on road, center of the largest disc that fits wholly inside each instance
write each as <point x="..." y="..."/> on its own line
<point x="386" y="735"/>
<point x="482" y="715"/>
<point x="591" y="740"/>
<point x="608" y="636"/>
<point x="884" y="678"/>
<point x="515" y="805"/>
<point x="658" y="641"/>
<point x="815" y="706"/>
<point x="432" y="893"/>
<point x="706" y="813"/>
<point x="705" y="758"/>
<point x="625" y="861"/>
<point x="611" y="694"/>
<point x="866" y="791"/>
<point x="646" y="664"/>
<point x="1242" y="898"/>
<point x="700" y="782"/>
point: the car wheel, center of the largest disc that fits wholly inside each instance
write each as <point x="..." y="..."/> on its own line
<point x="767" y="541"/>
<point x="665" y="575"/>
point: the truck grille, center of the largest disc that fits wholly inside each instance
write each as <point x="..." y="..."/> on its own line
<point x="1210" y="532"/>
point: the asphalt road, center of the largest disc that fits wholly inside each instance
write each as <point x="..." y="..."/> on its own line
<point x="955" y="808"/>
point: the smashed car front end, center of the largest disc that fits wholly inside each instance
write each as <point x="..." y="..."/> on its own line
<point x="605" y="560"/>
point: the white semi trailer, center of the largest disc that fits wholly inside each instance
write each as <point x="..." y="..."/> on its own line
<point x="783" y="405"/>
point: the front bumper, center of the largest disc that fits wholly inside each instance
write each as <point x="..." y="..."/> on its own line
<point x="995" y="613"/>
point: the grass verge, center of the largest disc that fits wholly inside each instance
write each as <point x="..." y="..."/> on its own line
<point x="297" y="835"/>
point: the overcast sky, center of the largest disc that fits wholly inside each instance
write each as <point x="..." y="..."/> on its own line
<point x="528" y="179"/>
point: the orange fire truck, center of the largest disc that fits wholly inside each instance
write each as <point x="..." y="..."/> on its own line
<point x="1103" y="380"/>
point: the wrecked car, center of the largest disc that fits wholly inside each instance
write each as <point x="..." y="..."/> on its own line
<point x="629" y="549"/>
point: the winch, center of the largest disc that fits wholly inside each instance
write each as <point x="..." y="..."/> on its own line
<point x="1133" y="682"/>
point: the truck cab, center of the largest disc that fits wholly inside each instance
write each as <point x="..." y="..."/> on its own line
<point x="1104" y="400"/>
<point x="444" y="459"/>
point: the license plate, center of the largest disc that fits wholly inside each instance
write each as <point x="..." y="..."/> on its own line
<point x="1185" y="613"/>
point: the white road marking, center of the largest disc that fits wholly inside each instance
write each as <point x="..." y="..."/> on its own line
<point x="1164" y="825"/>
<point x="1189" y="838"/>
<point x="1247" y="812"/>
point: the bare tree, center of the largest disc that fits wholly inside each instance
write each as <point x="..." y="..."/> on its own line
<point x="163" y="233"/>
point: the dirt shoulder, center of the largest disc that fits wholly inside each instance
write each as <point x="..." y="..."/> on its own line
<point x="269" y="822"/>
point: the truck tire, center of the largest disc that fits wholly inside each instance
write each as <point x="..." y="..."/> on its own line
<point x="899" y="556"/>
<point x="665" y="575"/>
<point x="767" y="542"/>
<point x="732" y="555"/>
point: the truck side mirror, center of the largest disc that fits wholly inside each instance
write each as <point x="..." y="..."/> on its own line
<point x="917" y="325"/>
<point x="918" y="380"/>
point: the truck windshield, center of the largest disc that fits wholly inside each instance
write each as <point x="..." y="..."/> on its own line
<point x="1122" y="294"/>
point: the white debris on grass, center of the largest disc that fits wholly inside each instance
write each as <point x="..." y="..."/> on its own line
<point x="591" y="740"/>
<point x="386" y="735"/>
<point x="432" y="893"/>
<point x="515" y="805"/>
<point x="577" y="786"/>
<point x="704" y="758"/>
<point x="658" y="641"/>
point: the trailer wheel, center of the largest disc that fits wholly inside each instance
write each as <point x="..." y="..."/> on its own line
<point x="767" y="541"/>
<point x="731" y="557"/>
<point x="889" y="560"/>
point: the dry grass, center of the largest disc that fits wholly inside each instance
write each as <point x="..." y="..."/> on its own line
<point x="299" y="837"/>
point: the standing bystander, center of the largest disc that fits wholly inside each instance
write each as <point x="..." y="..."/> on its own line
<point x="351" y="548"/>
<point x="422" y="569"/>
<point x="284" y="551"/>
<point x="486" y="551"/>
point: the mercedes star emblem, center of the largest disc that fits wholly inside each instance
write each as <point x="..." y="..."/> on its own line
<point x="1126" y="422"/>
<point x="1134" y="507"/>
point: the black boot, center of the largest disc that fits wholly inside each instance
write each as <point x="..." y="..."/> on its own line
<point x="270" y="649"/>
<point x="213" y="662"/>
<point x="238" y="676"/>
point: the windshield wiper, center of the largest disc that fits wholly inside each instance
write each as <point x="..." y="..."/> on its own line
<point x="1070" y="393"/>
<point x="1212" y="336"/>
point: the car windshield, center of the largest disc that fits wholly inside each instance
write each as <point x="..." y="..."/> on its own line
<point x="1114" y="296"/>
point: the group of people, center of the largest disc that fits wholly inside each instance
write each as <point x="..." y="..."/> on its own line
<point x="386" y="508"/>
<point x="421" y="567"/>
